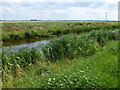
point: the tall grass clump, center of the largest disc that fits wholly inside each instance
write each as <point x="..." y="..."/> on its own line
<point x="21" y="59"/>
<point x="69" y="47"/>
<point x="72" y="46"/>
<point x="101" y="37"/>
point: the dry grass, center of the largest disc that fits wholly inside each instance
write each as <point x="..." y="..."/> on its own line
<point x="42" y="21"/>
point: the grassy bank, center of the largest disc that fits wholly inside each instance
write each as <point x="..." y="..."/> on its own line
<point x="73" y="46"/>
<point x="68" y="61"/>
<point x="15" y="31"/>
<point x="97" y="71"/>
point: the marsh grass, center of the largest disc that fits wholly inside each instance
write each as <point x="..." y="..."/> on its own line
<point x="97" y="71"/>
<point x="46" y="29"/>
<point x="71" y="61"/>
<point x="22" y="59"/>
<point x="73" y="46"/>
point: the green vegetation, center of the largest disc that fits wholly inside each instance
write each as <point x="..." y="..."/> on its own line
<point x="98" y="71"/>
<point x="73" y="46"/>
<point x="89" y="60"/>
<point x="47" y="29"/>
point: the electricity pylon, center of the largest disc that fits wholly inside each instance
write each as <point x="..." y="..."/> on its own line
<point x="106" y="16"/>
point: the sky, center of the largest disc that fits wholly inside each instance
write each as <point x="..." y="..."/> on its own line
<point x="59" y="9"/>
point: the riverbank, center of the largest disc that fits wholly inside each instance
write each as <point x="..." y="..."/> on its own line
<point x="97" y="71"/>
<point x="18" y="31"/>
<point x="71" y="61"/>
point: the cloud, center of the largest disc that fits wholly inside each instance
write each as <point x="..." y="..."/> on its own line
<point x="110" y="1"/>
<point x="59" y="10"/>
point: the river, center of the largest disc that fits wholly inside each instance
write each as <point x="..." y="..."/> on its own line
<point x="15" y="45"/>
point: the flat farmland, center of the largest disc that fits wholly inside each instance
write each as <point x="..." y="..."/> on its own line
<point x="15" y="30"/>
<point x="40" y="21"/>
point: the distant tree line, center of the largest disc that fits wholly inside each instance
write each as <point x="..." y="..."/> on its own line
<point x="33" y="20"/>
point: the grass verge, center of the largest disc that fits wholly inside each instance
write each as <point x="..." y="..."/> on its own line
<point x="97" y="71"/>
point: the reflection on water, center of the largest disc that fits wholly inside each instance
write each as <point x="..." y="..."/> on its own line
<point x="24" y="41"/>
<point x="15" y="45"/>
<point x="38" y="44"/>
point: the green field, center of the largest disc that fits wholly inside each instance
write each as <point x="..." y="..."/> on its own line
<point x="19" y="30"/>
<point x="88" y="59"/>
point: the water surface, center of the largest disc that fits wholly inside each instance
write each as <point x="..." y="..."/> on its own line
<point x="15" y="45"/>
